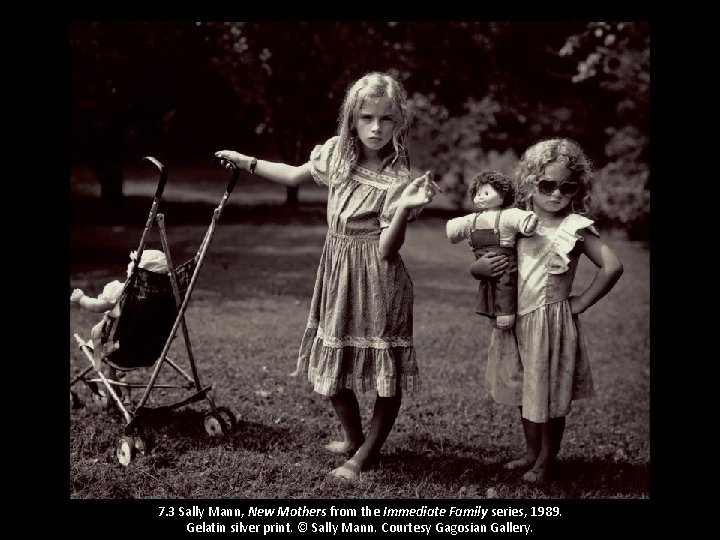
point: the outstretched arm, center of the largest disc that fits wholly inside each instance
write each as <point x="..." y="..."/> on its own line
<point x="96" y="305"/>
<point x="289" y="175"/>
<point x="609" y="271"/>
<point x="459" y="228"/>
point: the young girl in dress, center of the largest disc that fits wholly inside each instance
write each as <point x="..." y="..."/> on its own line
<point x="548" y="366"/>
<point x="359" y="333"/>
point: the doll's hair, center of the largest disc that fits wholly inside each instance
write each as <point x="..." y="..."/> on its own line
<point x="372" y="85"/>
<point x="531" y="166"/>
<point x="499" y="181"/>
<point x="152" y="260"/>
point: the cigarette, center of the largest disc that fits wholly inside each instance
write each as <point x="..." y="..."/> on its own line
<point x="434" y="184"/>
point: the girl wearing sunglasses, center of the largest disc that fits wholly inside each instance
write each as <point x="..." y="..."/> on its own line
<point x="543" y="365"/>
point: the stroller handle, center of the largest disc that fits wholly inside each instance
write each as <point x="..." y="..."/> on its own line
<point x="163" y="174"/>
<point x="235" y="175"/>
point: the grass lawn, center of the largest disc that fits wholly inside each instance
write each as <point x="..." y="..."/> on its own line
<point x="246" y="319"/>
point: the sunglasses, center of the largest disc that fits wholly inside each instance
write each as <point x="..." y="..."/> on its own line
<point x="548" y="187"/>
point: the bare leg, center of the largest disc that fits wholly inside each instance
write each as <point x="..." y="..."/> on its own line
<point x="384" y="415"/>
<point x="557" y="430"/>
<point x="533" y="441"/>
<point x="348" y="411"/>
<point x="552" y="433"/>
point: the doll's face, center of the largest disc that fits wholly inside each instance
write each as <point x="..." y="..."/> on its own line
<point x="487" y="197"/>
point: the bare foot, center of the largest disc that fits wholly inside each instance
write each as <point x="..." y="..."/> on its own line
<point x="524" y="462"/>
<point x="349" y="471"/>
<point x="344" y="448"/>
<point x="535" y="476"/>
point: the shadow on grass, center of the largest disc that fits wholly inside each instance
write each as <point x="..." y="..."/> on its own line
<point x="456" y="468"/>
<point x="185" y="427"/>
<point x="602" y="475"/>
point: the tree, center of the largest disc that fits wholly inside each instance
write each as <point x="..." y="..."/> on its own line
<point x="141" y="88"/>
<point x="615" y="58"/>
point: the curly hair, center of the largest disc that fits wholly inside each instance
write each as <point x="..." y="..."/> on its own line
<point x="372" y="85"/>
<point x="531" y="166"/>
<point x="498" y="180"/>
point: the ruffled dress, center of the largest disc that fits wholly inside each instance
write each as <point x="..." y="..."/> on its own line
<point x="359" y="332"/>
<point x="543" y="364"/>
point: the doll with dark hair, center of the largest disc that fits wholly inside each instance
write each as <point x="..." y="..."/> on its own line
<point x="494" y="228"/>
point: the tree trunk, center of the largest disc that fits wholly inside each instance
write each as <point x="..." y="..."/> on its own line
<point x="107" y="154"/>
<point x="291" y="196"/>
<point x="110" y="176"/>
<point x="292" y="192"/>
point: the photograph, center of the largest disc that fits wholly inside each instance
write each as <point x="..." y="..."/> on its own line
<point x="359" y="276"/>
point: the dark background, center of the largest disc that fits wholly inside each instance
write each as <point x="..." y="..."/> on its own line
<point x="482" y="92"/>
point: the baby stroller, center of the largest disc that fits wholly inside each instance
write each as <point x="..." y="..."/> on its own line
<point x="152" y="308"/>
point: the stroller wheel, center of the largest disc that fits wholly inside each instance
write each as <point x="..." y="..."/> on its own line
<point x="125" y="450"/>
<point x="229" y="417"/>
<point x="214" y="424"/>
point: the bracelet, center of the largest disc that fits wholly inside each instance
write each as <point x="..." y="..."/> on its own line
<point x="253" y="164"/>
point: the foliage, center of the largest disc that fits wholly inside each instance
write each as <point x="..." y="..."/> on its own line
<point x="615" y="57"/>
<point x="274" y="88"/>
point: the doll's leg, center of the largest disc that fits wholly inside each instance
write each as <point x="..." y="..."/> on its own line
<point x="96" y="334"/>
<point x="348" y="411"/>
<point x="506" y="296"/>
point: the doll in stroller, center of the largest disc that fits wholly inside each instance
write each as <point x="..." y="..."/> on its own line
<point x="142" y="316"/>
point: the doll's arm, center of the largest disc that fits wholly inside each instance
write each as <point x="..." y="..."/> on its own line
<point x="459" y="228"/>
<point x="96" y="305"/>
<point x="609" y="271"/>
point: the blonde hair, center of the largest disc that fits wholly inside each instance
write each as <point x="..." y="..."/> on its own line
<point x="152" y="260"/>
<point x="532" y="165"/>
<point x="347" y="151"/>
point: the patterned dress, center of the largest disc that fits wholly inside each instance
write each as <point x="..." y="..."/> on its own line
<point x="359" y="333"/>
<point x="543" y="365"/>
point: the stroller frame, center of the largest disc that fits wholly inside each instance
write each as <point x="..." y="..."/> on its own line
<point x="219" y="420"/>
